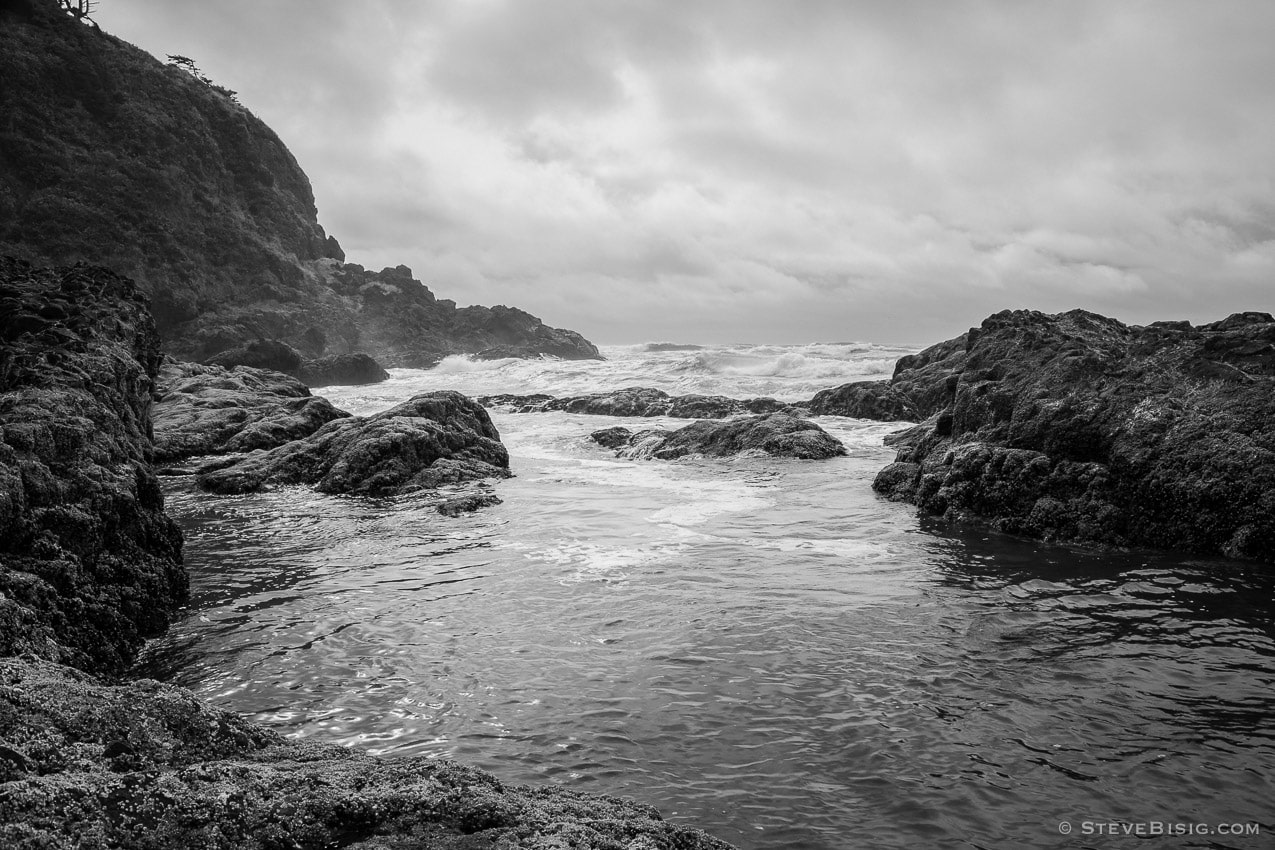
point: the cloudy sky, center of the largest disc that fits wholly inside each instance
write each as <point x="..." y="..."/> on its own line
<point x="754" y="170"/>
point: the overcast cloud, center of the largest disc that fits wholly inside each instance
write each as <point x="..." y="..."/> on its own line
<point x="772" y="172"/>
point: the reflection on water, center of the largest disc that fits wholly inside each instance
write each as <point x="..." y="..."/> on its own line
<point x="759" y="647"/>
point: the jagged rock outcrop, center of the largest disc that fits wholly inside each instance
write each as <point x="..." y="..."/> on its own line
<point x="1078" y="427"/>
<point x="426" y="442"/>
<point x="776" y="434"/>
<point x="639" y="401"/>
<point x="109" y="156"/>
<point x="202" y="410"/>
<point x="90" y="565"/>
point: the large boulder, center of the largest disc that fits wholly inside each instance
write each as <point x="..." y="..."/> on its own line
<point x="201" y="410"/>
<point x="1078" y="427"/>
<point x="431" y="440"/>
<point x="90" y="565"/>
<point x="341" y="370"/>
<point x="776" y="434"/>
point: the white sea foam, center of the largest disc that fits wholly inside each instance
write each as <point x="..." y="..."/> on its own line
<point x="785" y="372"/>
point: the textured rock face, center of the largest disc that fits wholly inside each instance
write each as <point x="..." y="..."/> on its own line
<point x="1077" y="427"/>
<point x="639" y="401"/>
<point x="109" y="156"/>
<point x="89" y="563"/>
<point x="201" y="410"/>
<point x="777" y="434"/>
<point x="430" y="440"/>
<point x="147" y="765"/>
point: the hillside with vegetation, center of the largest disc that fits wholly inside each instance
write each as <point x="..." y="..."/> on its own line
<point x="110" y="156"/>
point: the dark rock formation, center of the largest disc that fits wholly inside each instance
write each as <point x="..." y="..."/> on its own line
<point x="110" y="156"/>
<point x="1078" y="427"/>
<point x="430" y="440"/>
<point x="276" y="356"/>
<point x="202" y="410"/>
<point x="467" y="504"/>
<point x="147" y="765"/>
<point x="640" y="401"/>
<point x="89" y="563"/>
<point x="777" y="434"/>
<point x="342" y="370"/>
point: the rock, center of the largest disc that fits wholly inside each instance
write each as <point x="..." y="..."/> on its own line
<point x="864" y="400"/>
<point x="1078" y="427"/>
<point x="341" y="370"/>
<point x="90" y="565"/>
<point x="430" y="440"/>
<point x="468" y="504"/>
<point x="202" y="410"/>
<point x="147" y="765"/>
<point x="921" y="386"/>
<point x="259" y="354"/>
<point x="112" y="155"/>
<point x="639" y="402"/>
<point x="776" y="434"/>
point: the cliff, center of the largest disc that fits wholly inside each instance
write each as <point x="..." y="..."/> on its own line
<point x="111" y="157"/>
<point x="1078" y="427"/>
<point x="90" y="565"/>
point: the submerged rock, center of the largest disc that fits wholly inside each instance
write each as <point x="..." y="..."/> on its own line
<point x="202" y="410"/>
<point x="1078" y="427"/>
<point x="430" y="440"/>
<point x="90" y="565"/>
<point x="147" y="765"/>
<point x="777" y="434"/>
<point x="639" y="401"/>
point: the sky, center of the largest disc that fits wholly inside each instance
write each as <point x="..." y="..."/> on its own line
<point x="764" y="171"/>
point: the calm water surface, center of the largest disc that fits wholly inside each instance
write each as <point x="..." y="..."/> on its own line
<point x="759" y="647"/>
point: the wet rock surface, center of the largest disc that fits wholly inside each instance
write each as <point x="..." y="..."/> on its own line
<point x="777" y="434"/>
<point x="431" y="440"/>
<point x="1078" y="427"/>
<point x="89" y="765"/>
<point x="89" y="563"/>
<point x="202" y="410"/>
<point x="639" y="401"/>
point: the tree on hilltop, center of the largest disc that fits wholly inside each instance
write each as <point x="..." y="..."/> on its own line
<point x="188" y="65"/>
<point x="80" y="10"/>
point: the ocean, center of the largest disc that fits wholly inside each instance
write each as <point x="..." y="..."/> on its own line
<point x="760" y="647"/>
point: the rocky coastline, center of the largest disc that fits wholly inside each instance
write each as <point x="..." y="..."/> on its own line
<point x="90" y="566"/>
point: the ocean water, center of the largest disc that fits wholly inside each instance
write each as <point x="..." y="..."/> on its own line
<point x="759" y="647"/>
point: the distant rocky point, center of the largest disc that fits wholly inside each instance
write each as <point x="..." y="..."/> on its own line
<point x="111" y="157"/>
